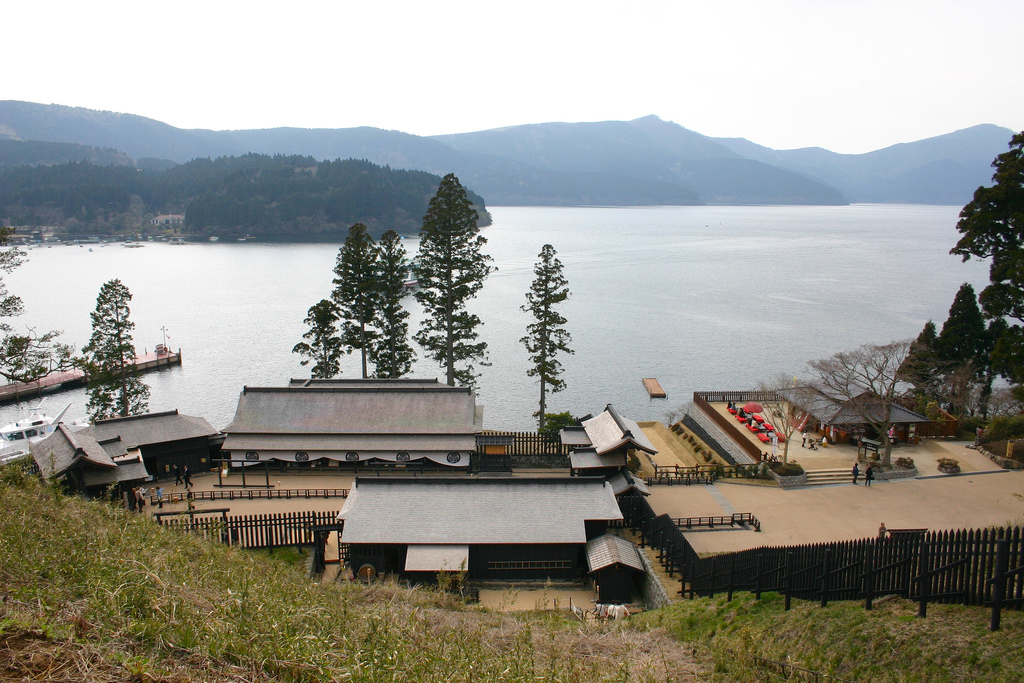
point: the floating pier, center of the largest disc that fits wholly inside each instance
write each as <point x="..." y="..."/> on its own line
<point x="653" y="388"/>
<point x="71" y="379"/>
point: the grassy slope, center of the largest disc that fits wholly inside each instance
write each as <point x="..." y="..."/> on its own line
<point x="889" y="643"/>
<point x="90" y="592"/>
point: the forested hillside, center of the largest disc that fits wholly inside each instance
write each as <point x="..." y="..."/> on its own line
<point x="274" y="197"/>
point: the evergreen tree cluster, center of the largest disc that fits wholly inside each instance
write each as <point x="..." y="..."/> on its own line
<point x="273" y="196"/>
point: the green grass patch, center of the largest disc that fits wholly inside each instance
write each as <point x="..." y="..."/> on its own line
<point x="889" y="643"/>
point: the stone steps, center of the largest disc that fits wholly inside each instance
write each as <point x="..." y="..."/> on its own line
<point x="830" y="477"/>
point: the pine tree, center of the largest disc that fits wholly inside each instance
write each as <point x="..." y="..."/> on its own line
<point x="390" y="352"/>
<point x="547" y="336"/>
<point x="323" y="345"/>
<point x="355" y="290"/>
<point x="963" y="337"/>
<point x="27" y="356"/>
<point x="115" y="388"/>
<point x="451" y="269"/>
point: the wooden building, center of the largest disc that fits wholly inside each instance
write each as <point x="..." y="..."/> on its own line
<point x="397" y="422"/>
<point x="602" y="444"/>
<point x="842" y="419"/>
<point x="495" y="529"/>
<point x="164" y="439"/>
<point x="86" y="465"/>
<point x="614" y="563"/>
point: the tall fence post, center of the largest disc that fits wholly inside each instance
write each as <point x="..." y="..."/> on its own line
<point x="826" y="571"/>
<point x="924" y="581"/>
<point x="789" y="578"/>
<point x="757" y="575"/>
<point x="999" y="589"/>
<point x="869" y="576"/>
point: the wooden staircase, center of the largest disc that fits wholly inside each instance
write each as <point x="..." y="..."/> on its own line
<point x="831" y="477"/>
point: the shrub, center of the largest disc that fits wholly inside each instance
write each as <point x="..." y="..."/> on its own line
<point x="949" y="465"/>
<point x="904" y="463"/>
<point x="790" y="469"/>
<point x="969" y="425"/>
<point x="1003" y="428"/>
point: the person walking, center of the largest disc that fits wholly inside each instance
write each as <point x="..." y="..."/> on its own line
<point x="187" y="474"/>
<point x="803" y="444"/>
<point x="869" y="475"/>
<point x="177" y="474"/>
<point x="856" y="473"/>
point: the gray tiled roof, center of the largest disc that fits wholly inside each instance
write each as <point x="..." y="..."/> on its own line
<point x="129" y="469"/>
<point x="624" y="481"/>
<point x="574" y="436"/>
<point x="609" y="431"/>
<point x="588" y="459"/>
<point x="64" y="448"/>
<point x="356" y="408"/>
<point x="604" y="551"/>
<point x="470" y="511"/>
<point x="151" y="428"/>
<point x="835" y="410"/>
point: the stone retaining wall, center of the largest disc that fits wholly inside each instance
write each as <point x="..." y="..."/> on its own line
<point x="789" y="482"/>
<point x="1005" y="463"/>
<point x="895" y="474"/>
<point x="651" y="589"/>
<point x="738" y="455"/>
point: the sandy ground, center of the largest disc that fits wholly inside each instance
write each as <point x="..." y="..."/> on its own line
<point x="983" y="495"/>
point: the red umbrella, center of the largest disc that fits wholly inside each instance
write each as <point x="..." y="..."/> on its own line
<point x="753" y="407"/>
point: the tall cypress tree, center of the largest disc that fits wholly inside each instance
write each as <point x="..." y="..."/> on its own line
<point x="323" y="346"/>
<point x="390" y="352"/>
<point x="451" y="269"/>
<point x="115" y="388"/>
<point x="963" y="337"/>
<point x="355" y="290"/>
<point x="546" y="337"/>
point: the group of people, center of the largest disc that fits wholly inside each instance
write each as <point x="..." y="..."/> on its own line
<point x="182" y="476"/>
<point x="869" y="474"/>
<point x="136" y="498"/>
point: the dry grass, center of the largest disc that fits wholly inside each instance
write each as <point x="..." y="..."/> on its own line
<point x="90" y="592"/>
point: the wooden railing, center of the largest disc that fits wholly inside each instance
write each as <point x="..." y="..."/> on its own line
<point x="248" y="494"/>
<point x="735" y="519"/>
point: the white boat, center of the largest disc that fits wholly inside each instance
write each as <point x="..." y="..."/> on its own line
<point x="16" y="437"/>
<point x="177" y="241"/>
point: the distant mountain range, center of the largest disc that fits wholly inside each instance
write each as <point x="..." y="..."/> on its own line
<point x="645" y="161"/>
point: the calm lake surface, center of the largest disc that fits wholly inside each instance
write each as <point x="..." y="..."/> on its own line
<point x="702" y="298"/>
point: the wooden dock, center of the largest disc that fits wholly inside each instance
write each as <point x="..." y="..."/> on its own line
<point x="653" y="388"/>
<point x="71" y="379"/>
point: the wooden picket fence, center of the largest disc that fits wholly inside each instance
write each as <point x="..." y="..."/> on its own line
<point x="252" y="531"/>
<point x="981" y="567"/>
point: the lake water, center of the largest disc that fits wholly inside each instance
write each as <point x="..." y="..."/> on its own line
<point x="702" y="298"/>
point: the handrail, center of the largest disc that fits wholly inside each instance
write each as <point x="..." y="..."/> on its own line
<point x="248" y="494"/>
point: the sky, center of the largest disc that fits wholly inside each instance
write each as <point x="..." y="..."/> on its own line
<point x="847" y="75"/>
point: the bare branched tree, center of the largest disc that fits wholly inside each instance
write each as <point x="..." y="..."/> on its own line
<point x="780" y="411"/>
<point x="867" y="382"/>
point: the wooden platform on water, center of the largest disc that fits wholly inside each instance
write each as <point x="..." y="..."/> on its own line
<point x="62" y="381"/>
<point x="653" y="388"/>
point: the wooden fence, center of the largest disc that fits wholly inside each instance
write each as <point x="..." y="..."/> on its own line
<point x="248" y="494"/>
<point x="740" y="397"/>
<point x="981" y="567"/>
<point x="252" y="531"/>
<point x="532" y="443"/>
<point x="670" y="475"/>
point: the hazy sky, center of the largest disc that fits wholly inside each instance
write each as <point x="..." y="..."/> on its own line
<point x="848" y="75"/>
